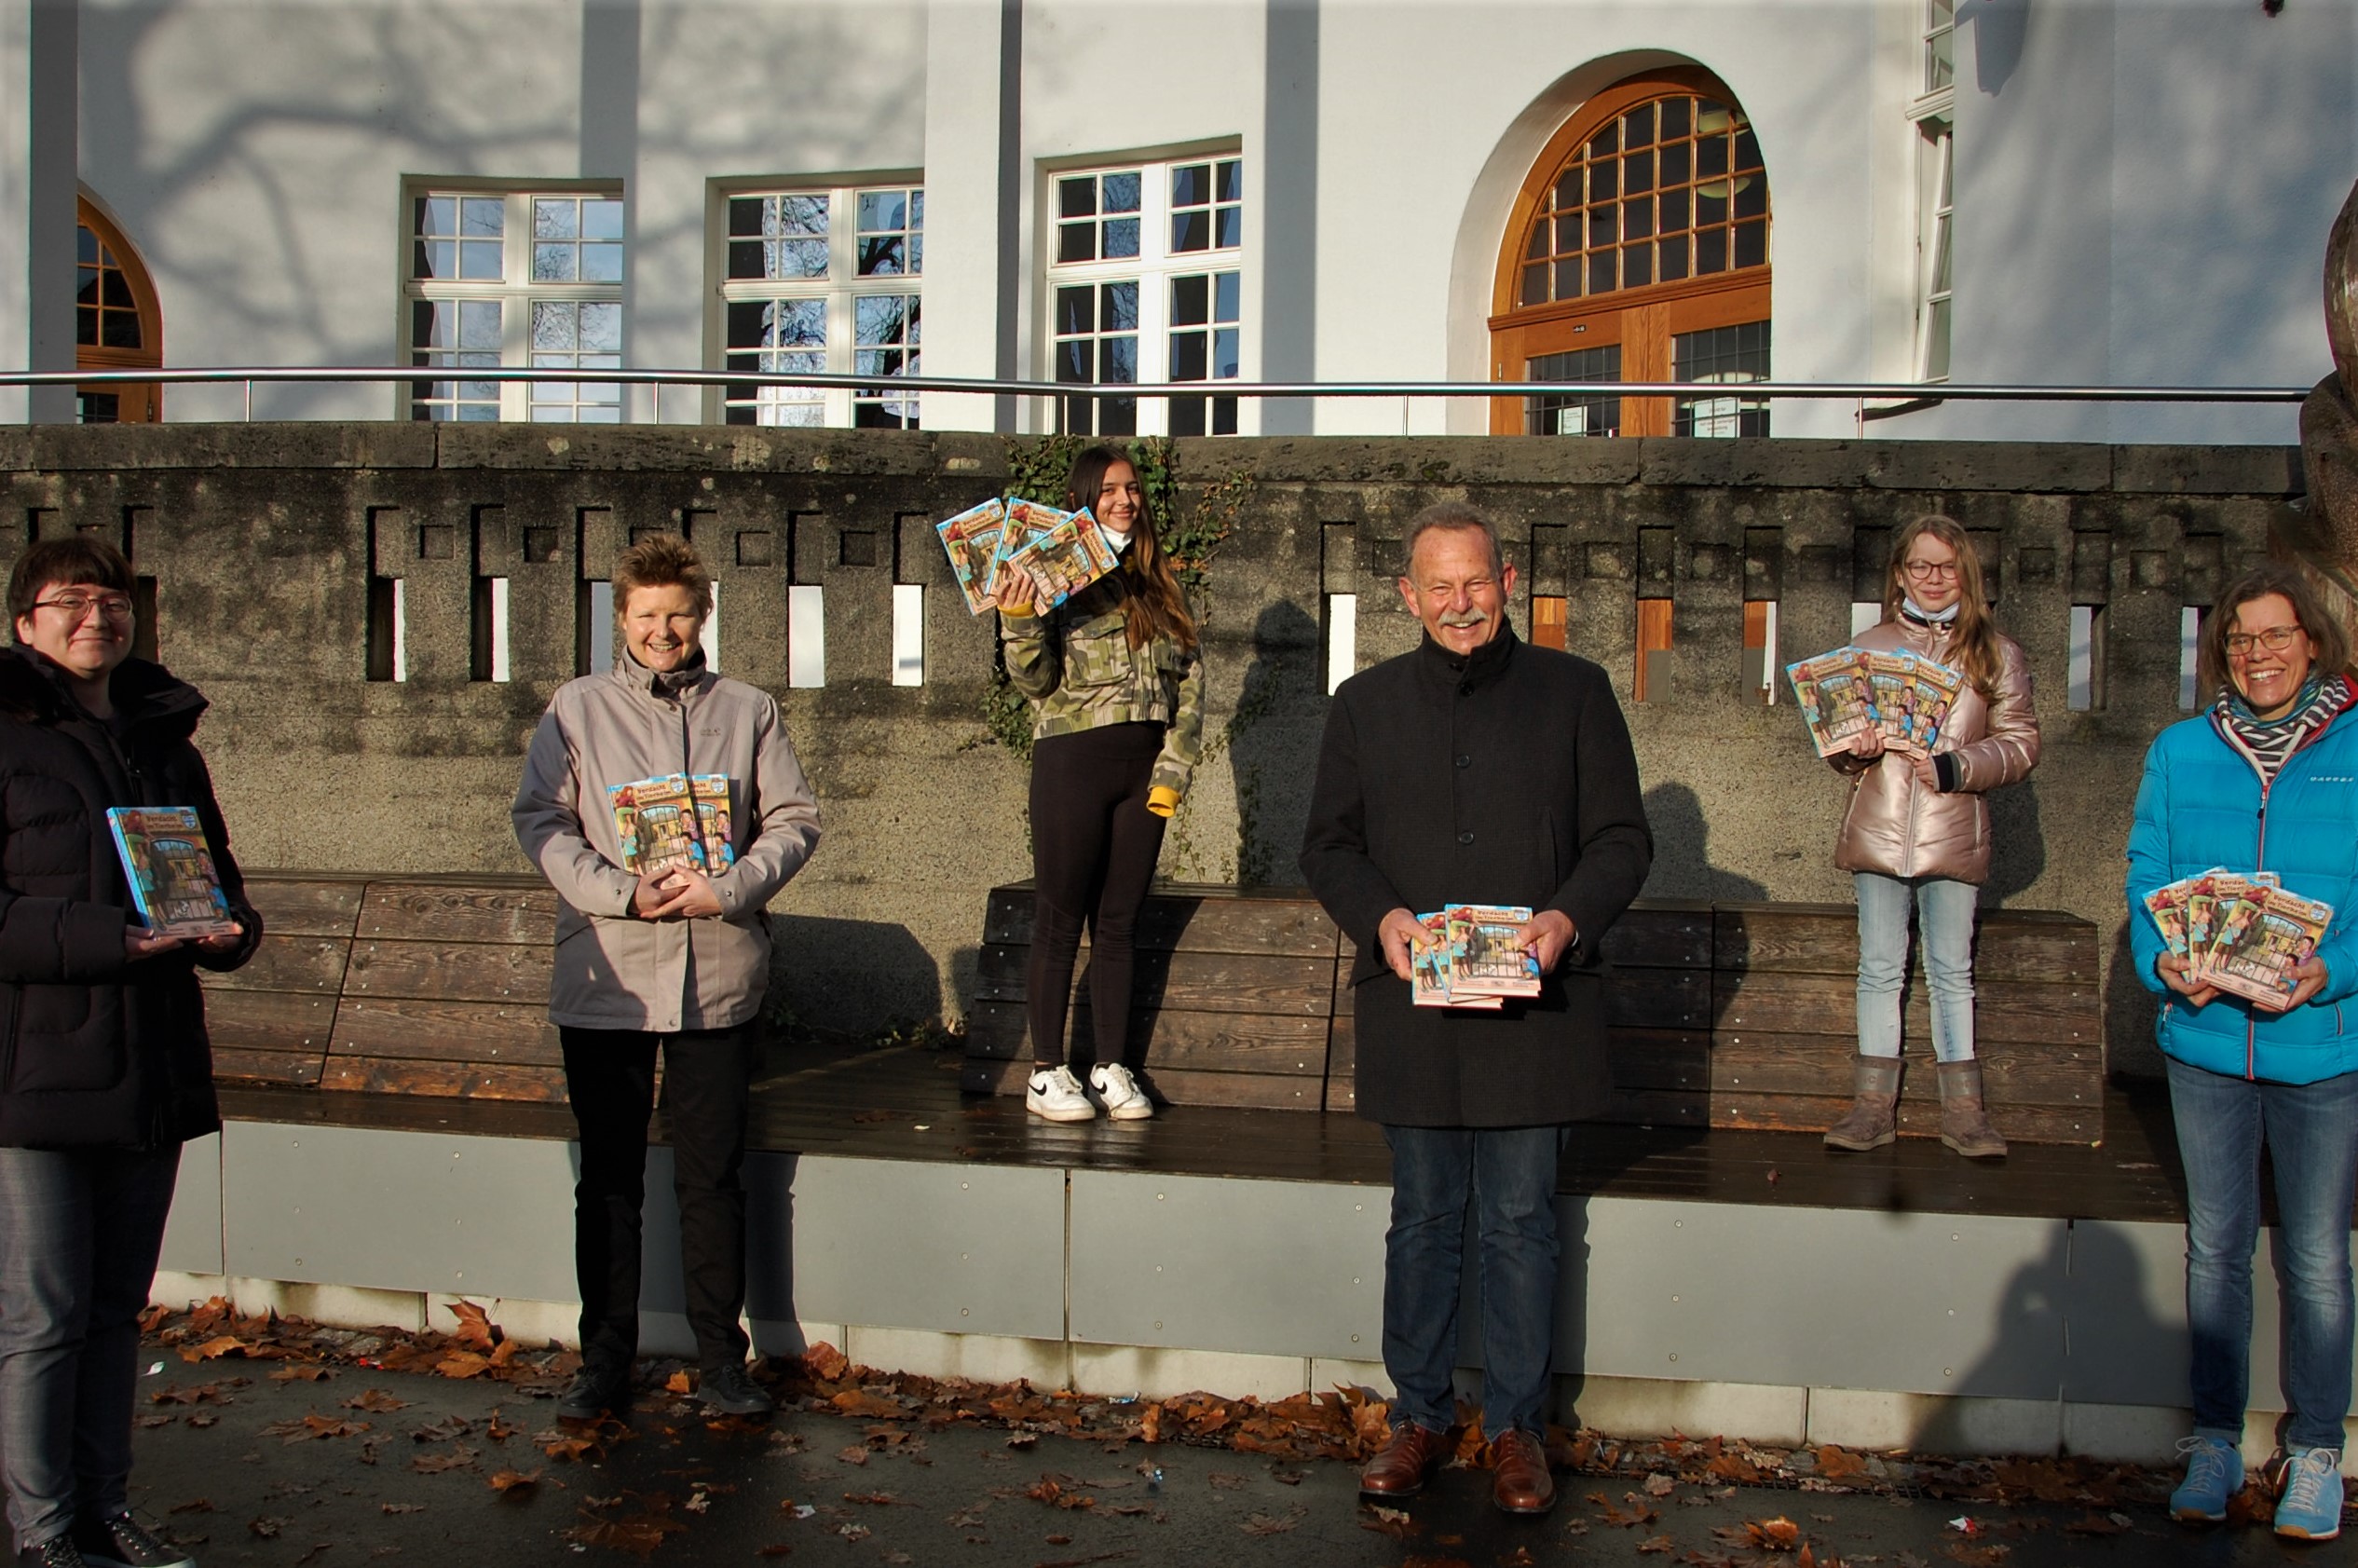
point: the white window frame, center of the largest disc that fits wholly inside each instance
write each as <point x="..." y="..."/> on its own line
<point x="839" y="291"/>
<point x="1154" y="268"/>
<point x="514" y="291"/>
<point x="1939" y="44"/>
<point x="1932" y="149"/>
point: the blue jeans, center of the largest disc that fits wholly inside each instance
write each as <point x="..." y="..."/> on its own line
<point x="2311" y="1133"/>
<point x="79" y="1233"/>
<point x="1944" y="928"/>
<point x="1510" y="1174"/>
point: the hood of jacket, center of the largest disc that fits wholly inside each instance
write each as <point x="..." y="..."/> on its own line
<point x="32" y="690"/>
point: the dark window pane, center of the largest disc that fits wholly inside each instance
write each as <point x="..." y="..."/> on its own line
<point x="1711" y="156"/>
<point x="1637" y="173"/>
<point x="1187" y="415"/>
<point x="1637" y="218"/>
<point x="1535" y="250"/>
<point x="1751" y="196"/>
<point x="1191" y="356"/>
<point x="1677" y="161"/>
<point x="1231" y="180"/>
<point x="86" y="290"/>
<point x="1076" y="199"/>
<point x="748" y="324"/>
<point x="1674" y="215"/>
<point x="1534" y="285"/>
<point x="1568" y="188"/>
<point x="1673" y="259"/>
<point x="1225" y="361"/>
<point x="1117" y="416"/>
<point x="1710" y="203"/>
<point x="1223" y="417"/>
<point x="1121" y="237"/>
<point x="1119" y="307"/>
<point x="1747" y="149"/>
<point x="1569" y="231"/>
<point x="744" y="258"/>
<point x="119" y="330"/>
<point x="1228" y="292"/>
<point x="1605" y="142"/>
<point x="1600" y="272"/>
<point x="1191" y="301"/>
<point x="1675" y="116"/>
<point x="1192" y="185"/>
<point x="744" y="216"/>
<point x="1076" y="310"/>
<point x="1568" y="279"/>
<point x="1191" y="231"/>
<point x="1076" y="243"/>
<point x="1121" y="192"/>
<point x="1637" y="266"/>
<point x="880" y="255"/>
<point x="1604" y="225"/>
<point x="1751" y="244"/>
<point x="1604" y="180"/>
<point x="1229" y="224"/>
<point x="86" y="324"/>
<point x="1637" y="126"/>
<point x="1079" y="417"/>
<point x="1076" y="359"/>
<point x="1711" y="252"/>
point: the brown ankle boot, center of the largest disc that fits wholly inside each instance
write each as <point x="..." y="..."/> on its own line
<point x="1965" y="1124"/>
<point x="1874" y="1118"/>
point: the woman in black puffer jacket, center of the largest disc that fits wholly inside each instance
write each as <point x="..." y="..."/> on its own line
<point x="105" y="1068"/>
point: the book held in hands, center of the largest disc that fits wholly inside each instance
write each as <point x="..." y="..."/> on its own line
<point x="1058" y="552"/>
<point x="1902" y="696"/>
<point x="673" y="820"/>
<point x="171" y="870"/>
<point x="1474" y="958"/>
<point x="2243" y="933"/>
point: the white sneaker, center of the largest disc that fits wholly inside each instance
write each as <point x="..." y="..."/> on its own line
<point x="1124" y="1101"/>
<point x="1056" y="1094"/>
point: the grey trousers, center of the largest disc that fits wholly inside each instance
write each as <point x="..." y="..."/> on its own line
<point x="79" y="1233"/>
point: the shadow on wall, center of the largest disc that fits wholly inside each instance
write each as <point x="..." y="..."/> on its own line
<point x="2130" y="1012"/>
<point x="2000" y="27"/>
<point x="2018" y="844"/>
<point x="1682" y="866"/>
<point x="1273" y="744"/>
<point x="852" y="977"/>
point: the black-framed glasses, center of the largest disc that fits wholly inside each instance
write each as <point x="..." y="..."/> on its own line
<point x="2276" y="639"/>
<point x="1928" y="571"/>
<point x="114" y="607"/>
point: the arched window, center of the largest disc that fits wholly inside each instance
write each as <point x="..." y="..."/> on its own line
<point x="117" y="324"/>
<point x="1637" y="250"/>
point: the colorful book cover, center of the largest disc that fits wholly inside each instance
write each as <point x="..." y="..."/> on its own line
<point x="1026" y="523"/>
<point x="2167" y="905"/>
<point x="171" y="870"/>
<point x="1836" y="697"/>
<point x="2262" y="938"/>
<point x="971" y="540"/>
<point x="1066" y="559"/>
<point x="1429" y="965"/>
<point x="1937" y="685"/>
<point x="656" y="819"/>
<point x="1489" y="961"/>
<point x="1891" y="678"/>
<point x="2200" y="903"/>
<point x="712" y="824"/>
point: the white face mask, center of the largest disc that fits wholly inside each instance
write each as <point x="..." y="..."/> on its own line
<point x="1938" y="618"/>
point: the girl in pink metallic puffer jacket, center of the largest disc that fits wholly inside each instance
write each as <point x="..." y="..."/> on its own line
<point x="1918" y="832"/>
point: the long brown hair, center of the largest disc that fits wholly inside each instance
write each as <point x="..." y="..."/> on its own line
<point x="1152" y="601"/>
<point x="2328" y="642"/>
<point x="1977" y="651"/>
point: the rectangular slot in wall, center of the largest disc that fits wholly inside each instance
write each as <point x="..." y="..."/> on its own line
<point x="1653" y="651"/>
<point x="909" y="633"/>
<point x="147" y="640"/>
<point x="2189" y="659"/>
<point x="1342" y="639"/>
<point x="709" y="640"/>
<point x="1760" y="650"/>
<point x="1548" y="617"/>
<point x="487" y="629"/>
<point x="806" y="635"/>
<point x="594" y="611"/>
<point x="2084" y="684"/>
<point x="388" y="658"/>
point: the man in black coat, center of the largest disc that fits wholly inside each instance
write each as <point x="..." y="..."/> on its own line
<point x="1476" y="769"/>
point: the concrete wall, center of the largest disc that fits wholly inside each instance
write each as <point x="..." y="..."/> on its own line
<point x="2144" y="189"/>
<point x="263" y="540"/>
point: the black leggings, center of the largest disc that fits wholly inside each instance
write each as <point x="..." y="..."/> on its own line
<point x="1093" y="846"/>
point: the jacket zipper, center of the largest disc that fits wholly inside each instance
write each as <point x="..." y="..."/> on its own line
<point x="2251" y="1025"/>
<point x="16" y="1023"/>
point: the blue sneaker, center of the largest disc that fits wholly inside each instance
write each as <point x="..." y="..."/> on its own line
<point x="2213" y="1474"/>
<point x="2309" y="1509"/>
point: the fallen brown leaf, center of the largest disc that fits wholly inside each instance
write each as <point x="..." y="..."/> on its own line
<point x="400" y="1507"/>
<point x="1271" y="1525"/>
<point x="514" y="1483"/>
<point x="475" y="1329"/>
<point x="266" y="1527"/>
<point x="457" y="1458"/>
<point x="301" y="1374"/>
<point x="1655" y="1545"/>
<point x="377" y="1401"/>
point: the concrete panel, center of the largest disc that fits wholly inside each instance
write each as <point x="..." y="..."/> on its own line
<point x="397" y="1210"/>
<point x="192" y="1234"/>
<point x="954" y="1248"/>
<point x="2127" y="1310"/>
<point x="1815" y="1298"/>
<point x="1276" y="1268"/>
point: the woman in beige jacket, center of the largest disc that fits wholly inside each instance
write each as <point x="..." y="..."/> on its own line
<point x="1918" y="832"/>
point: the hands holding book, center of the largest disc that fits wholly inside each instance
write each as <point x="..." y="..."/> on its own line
<point x="1867" y="744"/>
<point x="1545" y="936"/>
<point x="2174" y="971"/>
<point x="139" y="942"/>
<point x="673" y="893"/>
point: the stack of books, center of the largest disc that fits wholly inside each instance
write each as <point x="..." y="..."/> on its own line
<point x="2239" y="930"/>
<point x="1474" y="958"/>
<point x="1060" y="553"/>
<point x="171" y="870"/>
<point x="673" y="820"/>
<point x="1853" y="690"/>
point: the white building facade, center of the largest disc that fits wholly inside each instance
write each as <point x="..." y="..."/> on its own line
<point x="2081" y="192"/>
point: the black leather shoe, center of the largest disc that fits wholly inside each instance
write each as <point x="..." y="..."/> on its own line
<point x="599" y="1387"/>
<point x="58" y="1552"/>
<point x="731" y="1390"/>
<point x="120" y="1541"/>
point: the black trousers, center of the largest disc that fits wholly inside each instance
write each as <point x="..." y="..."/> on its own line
<point x="609" y="1075"/>
<point x="1094" y="845"/>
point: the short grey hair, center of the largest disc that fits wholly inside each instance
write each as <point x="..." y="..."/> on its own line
<point x="1451" y="516"/>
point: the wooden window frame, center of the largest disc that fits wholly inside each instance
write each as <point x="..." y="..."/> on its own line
<point x="138" y="403"/>
<point x="1641" y="321"/>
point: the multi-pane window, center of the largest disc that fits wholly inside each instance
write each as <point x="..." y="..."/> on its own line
<point x="823" y="281"/>
<point x="1558" y="413"/>
<point x="516" y="277"/>
<point x="1724" y="354"/>
<point x="105" y="314"/>
<point x="1672" y="189"/>
<point x="1936" y="179"/>
<point x="1145" y="285"/>
<point x="1940" y="46"/>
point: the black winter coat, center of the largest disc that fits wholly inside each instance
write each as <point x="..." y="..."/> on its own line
<point x="1504" y="778"/>
<point x="96" y="1051"/>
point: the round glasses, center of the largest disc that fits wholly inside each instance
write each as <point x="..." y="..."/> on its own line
<point x="114" y="607"/>
<point x="1928" y="571"/>
<point x="2276" y="639"/>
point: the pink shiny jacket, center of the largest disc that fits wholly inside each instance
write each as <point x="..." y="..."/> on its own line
<point x="1903" y="828"/>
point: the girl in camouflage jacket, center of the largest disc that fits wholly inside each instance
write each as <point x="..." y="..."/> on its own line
<point x="1116" y="682"/>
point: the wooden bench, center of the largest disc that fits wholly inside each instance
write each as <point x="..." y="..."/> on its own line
<point x="1722" y="1015"/>
<point x="422" y="985"/>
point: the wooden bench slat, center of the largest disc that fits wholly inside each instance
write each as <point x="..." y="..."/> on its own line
<point x="286" y="1021"/>
<point x="425" y="909"/>
<point x="455" y="1080"/>
<point x="286" y="962"/>
<point x="510" y="973"/>
<point x="294" y="905"/>
<point x="1788" y="1064"/>
<point x="476" y="1031"/>
<point x="1662" y="934"/>
<point x="1809" y="1004"/>
<point x="232" y="1065"/>
<point x="1188" y="982"/>
<point x="1193" y="923"/>
<point x="1645" y="997"/>
<point x="1215" y="1042"/>
<point x="2031" y="945"/>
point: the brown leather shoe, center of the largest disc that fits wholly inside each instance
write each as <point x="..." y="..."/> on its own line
<point x="1520" y="1483"/>
<point x="1400" y="1470"/>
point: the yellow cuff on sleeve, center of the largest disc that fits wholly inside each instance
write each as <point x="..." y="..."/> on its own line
<point x="1007" y="614"/>
<point x="1162" y="801"/>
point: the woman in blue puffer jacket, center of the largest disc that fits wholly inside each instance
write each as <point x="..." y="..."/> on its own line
<point x="2267" y="780"/>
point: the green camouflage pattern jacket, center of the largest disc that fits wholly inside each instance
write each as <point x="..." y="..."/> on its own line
<point x="1076" y="664"/>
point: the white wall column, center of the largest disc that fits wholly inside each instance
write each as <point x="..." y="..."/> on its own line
<point x="40" y="74"/>
<point x="976" y="177"/>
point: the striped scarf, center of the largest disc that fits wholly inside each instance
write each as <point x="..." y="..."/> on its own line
<point x="2267" y="744"/>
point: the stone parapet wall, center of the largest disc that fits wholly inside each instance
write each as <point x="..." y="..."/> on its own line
<point x="264" y="540"/>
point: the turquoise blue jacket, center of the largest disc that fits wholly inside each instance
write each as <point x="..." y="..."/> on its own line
<point x="2200" y="805"/>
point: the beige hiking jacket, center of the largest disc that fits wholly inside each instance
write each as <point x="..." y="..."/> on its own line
<point x="614" y="970"/>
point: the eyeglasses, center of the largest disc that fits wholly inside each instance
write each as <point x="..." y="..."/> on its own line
<point x="2276" y="639"/>
<point x="1928" y="571"/>
<point x="114" y="607"/>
